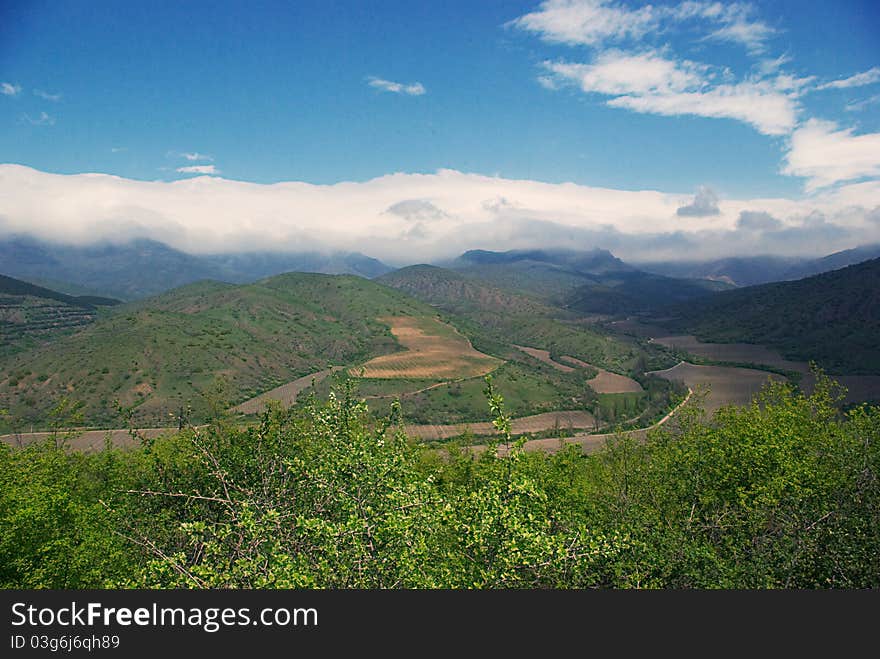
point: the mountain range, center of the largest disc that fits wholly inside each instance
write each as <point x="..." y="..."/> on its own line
<point x="143" y="267"/>
<point x="593" y="281"/>
<point x="753" y="270"/>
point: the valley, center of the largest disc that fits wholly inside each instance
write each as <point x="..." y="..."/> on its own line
<point x="425" y="335"/>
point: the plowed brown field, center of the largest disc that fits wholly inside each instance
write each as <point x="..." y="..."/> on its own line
<point x="433" y="350"/>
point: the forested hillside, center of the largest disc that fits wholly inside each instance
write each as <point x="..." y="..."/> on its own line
<point x="832" y="318"/>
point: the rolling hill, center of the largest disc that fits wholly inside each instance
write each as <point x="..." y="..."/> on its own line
<point x="162" y="354"/>
<point x="832" y="318"/>
<point x="31" y="314"/>
<point x="501" y="318"/>
<point x="459" y="293"/>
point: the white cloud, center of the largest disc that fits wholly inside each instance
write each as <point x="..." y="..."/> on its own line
<point x="416" y="210"/>
<point x="118" y="149"/>
<point x="771" y="65"/>
<point x="198" y="169"/>
<point x="10" y="89"/>
<point x="616" y="73"/>
<point x="651" y="81"/>
<point x="410" y="218"/>
<point x="47" y="96"/>
<point x="42" y="120"/>
<point x="587" y="22"/>
<point x="759" y="103"/>
<point x="751" y="34"/>
<point x="826" y="154"/>
<point x="858" y="106"/>
<point x="705" y="203"/>
<point x="191" y="156"/>
<point x="595" y="22"/>
<point x="858" y="80"/>
<point x="413" y="89"/>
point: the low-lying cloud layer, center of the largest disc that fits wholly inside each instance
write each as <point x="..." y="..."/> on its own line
<point x="410" y="218"/>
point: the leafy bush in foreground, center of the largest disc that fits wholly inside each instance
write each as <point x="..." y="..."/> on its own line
<point x="783" y="493"/>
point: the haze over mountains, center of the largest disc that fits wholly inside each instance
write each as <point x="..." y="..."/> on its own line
<point x="144" y="267"/>
<point x="751" y="270"/>
<point x="588" y="280"/>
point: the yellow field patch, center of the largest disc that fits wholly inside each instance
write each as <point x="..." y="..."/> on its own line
<point x="433" y="350"/>
<point x="606" y="382"/>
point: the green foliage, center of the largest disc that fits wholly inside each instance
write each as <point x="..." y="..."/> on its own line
<point x="55" y="531"/>
<point x="781" y="494"/>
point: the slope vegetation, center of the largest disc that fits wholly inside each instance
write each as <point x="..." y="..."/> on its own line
<point x="832" y="318"/>
<point x="31" y="315"/>
<point x="162" y="355"/>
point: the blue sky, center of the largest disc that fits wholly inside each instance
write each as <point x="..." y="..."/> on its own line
<point x="278" y="91"/>
<point x="744" y="100"/>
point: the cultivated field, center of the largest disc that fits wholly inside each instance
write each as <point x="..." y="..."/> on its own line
<point x="526" y="424"/>
<point x="544" y="356"/>
<point x="731" y="352"/>
<point x="286" y="393"/>
<point x="433" y="350"/>
<point x="727" y="385"/>
<point x="607" y="382"/>
<point x="859" y="387"/>
<point x="89" y="441"/>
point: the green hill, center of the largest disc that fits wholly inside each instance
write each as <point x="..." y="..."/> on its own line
<point x="162" y="354"/>
<point x="506" y="318"/>
<point x="832" y="318"/>
<point x="31" y="315"/>
<point x="629" y="292"/>
<point x="458" y="292"/>
<point x="17" y="287"/>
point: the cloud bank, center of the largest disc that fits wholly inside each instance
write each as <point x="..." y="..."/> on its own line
<point x="412" y="218"/>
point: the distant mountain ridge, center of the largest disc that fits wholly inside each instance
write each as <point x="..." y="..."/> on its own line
<point x="592" y="281"/>
<point x="595" y="261"/>
<point x="144" y="267"/>
<point x="754" y="270"/>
